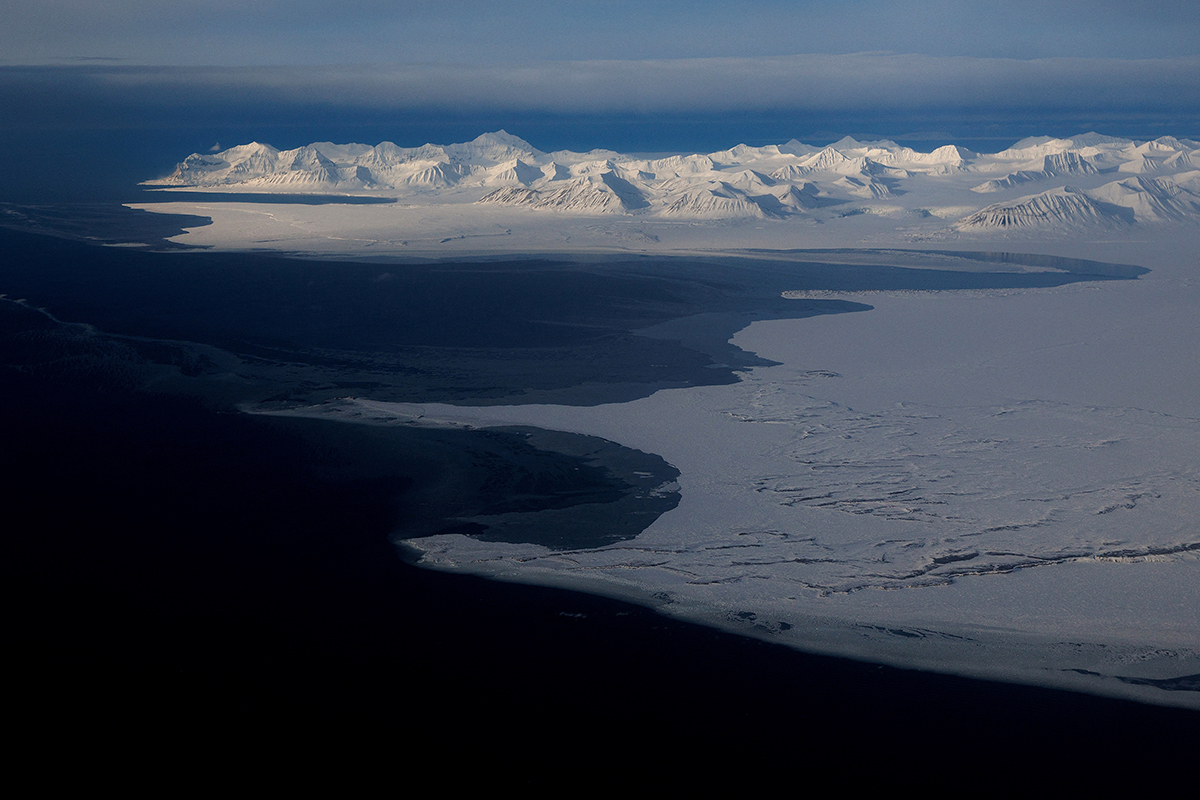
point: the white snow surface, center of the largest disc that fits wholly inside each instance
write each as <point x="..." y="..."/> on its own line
<point x="1001" y="483"/>
<point x="841" y="180"/>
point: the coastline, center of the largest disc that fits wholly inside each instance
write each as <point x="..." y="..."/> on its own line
<point x="203" y="376"/>
<point x="1067" y="644"/>
<point x="1012" y="625"/>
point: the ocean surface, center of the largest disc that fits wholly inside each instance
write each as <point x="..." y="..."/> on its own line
<point x="181" y="560"/>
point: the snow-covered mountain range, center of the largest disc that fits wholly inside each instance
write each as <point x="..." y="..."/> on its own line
<point x="1038" y="183"/>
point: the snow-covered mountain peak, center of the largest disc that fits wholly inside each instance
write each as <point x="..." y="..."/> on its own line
<point x="568" y="157"/>
<point x="1061" y="208"/>
<point x="795" y="147"/>
<point x="1163" y="144"/>
<point x="744" y="154"/>
<point x="846" y="143"/>
<point x="951" y="154"/>
<point x="1035" y="147"/>
<point x="828" y="158"/>
<point x="504" y="139"/>
<point x="1093" y="139"/>
<point x="1067" y="163"/>
<point x="242" y="151"/>
<point x="1159" y="179"/>
<point x="495" y="147"/>
<point x="341" y="152"/>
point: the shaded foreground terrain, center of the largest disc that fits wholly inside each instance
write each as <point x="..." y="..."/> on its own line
<point x="176" y="562"/>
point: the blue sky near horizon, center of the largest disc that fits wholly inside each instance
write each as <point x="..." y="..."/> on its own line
<point x="600" y="73"/>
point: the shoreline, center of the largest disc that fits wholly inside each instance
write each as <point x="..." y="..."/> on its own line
<point x="855" y="625"/>
<point x="768" y="420"/>
<point x="864" y="641"/>
<point x="506" y="484"/>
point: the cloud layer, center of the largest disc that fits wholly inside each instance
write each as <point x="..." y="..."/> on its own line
<point x="811" y="84"/>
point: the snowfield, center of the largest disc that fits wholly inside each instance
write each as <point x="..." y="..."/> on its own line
<point x="1003" y="483"/>
<point x="1043" y="184"/>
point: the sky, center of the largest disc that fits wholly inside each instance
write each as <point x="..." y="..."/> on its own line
<point x="591" y="73"/>
<point x="308" y="32"/>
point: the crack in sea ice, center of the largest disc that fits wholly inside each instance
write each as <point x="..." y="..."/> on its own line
<point x="978" y="472"/>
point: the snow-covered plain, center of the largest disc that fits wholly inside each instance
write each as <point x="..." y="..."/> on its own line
<point x="1003" y="483"/>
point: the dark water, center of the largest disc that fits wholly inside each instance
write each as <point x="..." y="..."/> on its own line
<point x="176" y="564"/>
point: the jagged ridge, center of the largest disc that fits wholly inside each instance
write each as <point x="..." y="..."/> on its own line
<point x="752" y="182"/>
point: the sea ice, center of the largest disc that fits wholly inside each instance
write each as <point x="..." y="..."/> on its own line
<point x="999" y="483"/>
<point x="1008" y="478"/>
